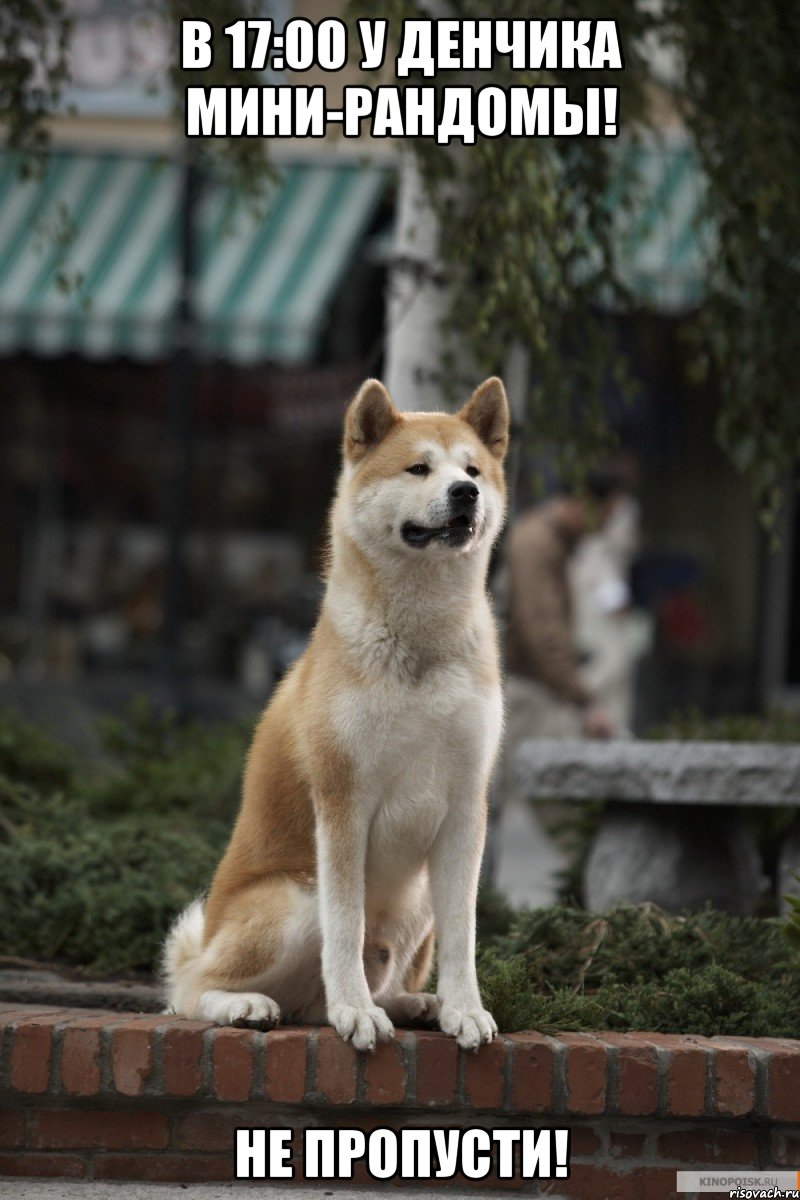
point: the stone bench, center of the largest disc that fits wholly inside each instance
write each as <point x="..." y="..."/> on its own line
<point x="672" y="832"/>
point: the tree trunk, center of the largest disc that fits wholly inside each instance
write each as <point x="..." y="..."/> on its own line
<point x="418" y="299"/>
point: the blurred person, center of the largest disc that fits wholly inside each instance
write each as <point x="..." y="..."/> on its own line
<point x="547" y="695"/>
<point x="611" y="634"/>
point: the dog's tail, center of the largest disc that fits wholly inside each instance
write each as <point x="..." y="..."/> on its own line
<point x="180" y="959"/>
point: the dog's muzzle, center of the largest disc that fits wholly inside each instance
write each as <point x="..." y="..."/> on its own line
<point x="462" y="498"/>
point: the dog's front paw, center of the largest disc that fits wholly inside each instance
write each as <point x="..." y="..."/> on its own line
<point x="361" y="1026"/>
<point x="468" y="1025"/>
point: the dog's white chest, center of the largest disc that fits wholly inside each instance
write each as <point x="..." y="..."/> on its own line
<point x="392" y="731"/>
<point x="415" y="751"/>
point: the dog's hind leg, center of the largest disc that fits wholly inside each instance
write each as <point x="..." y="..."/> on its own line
<point x="251" y="1009"/>
<point x="261" y="959"/>
<point x="419" y="968"/>
<point x="410" y="1003"/>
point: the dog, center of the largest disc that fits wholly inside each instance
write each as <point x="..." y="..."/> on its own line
<point x="363" y="812"/>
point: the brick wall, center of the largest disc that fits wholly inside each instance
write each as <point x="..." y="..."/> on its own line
<point x="118" y="1096"/>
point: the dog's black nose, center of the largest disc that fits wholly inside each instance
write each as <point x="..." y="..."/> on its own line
<point x="462" y="494"/>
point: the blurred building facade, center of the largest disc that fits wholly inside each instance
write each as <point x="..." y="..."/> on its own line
<point x="285" y="314"/>
<point x="288" y="315"/>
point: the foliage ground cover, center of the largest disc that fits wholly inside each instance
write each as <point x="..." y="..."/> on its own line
<point x="96" y="858"/>
<point x="637" y="968"/>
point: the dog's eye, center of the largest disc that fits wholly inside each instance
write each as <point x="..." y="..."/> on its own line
<point x="472" y="471"/>
<point x="419" y="469"/>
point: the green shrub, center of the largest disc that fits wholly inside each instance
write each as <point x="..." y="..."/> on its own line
<point x="568" y="947"/>
<point x="637" y="968"/>
<point x="692" y="725"/>
<point x="710" y="1002"/>
<point x="95" y="863"/>
<point x="100" y="894"/>
<point x="30" y="756"/>
<point x="160" y="765"/>
<point x="792" y="922"/>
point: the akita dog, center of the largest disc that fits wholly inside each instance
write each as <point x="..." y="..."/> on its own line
<point x="363" y="814"/>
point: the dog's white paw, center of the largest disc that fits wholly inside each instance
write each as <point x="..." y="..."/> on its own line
<point x="361" y="1026"/>
<point x="413" y="1006"/>
<point x="240" y="1008"/>
<point x="469" y="1026"/>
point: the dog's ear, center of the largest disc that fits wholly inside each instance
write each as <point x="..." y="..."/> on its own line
<point x="487" y="412"/>
<point x="369" y="418"/>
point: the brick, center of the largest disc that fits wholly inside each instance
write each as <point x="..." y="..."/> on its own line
<point x="42" y="1166"/>
<point x="687" y="1072"/>
<point x="11" y="1013"/>
<point x="637" y="1074"/>
<point x="584" y="1142"/>
<point x="484" y="1083"/>
<point x="626" y="1145"/>
<point x="209" y="1131"/>
<point x="77" y="1129"/>
<point x="784" y="1085"/>
<point x="90" y="1019"/>
<point x="585" y="1075"/>
<point x="232" y="1063"/>
<point x="337" y="1069"/>
<point x="750" y="1043"/>
<point x="31" y="1054"/>
<point x="709" y="1147"/>
<point x="770" y="1044"/>
<point x="734" y="1083"/>
<point x="131" y="1060"/>
<point x="361" y="1176"/>
<point x="369" y="1120"/>
<point x="285" y="1078"/>
<point x="385" y="1073"/>
<point x="165" y="1168"/>
<point x="593" y="1182"/>
<point x="81" y="1017"/>
<point x="12" y="1128"/>
<point x="532" y="1061"/>
<point x="182" y="1052"/>
<point x="785" y="1148"/>
<point x="658" y="1183"/>
<point x="515" y="1185"/>
<point x="80" y="1061"/>
<point x="437" y="1064"/>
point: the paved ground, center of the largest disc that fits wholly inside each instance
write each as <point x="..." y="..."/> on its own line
<point x="55" y="1189"/>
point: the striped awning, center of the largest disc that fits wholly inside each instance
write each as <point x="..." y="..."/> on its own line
<point x="89" y="257"/>
<point x="662" y="243"/>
